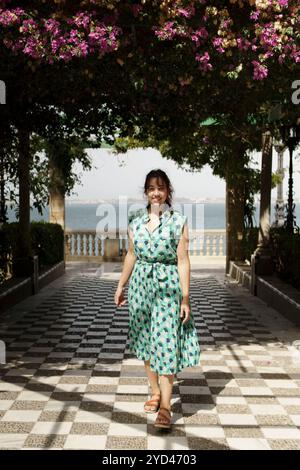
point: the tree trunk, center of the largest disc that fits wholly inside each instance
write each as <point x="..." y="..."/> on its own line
<point x="56" y="195"/>
<point x="262" y="256"/>
<point x="57" y="207"/>
<point x="265" y="192"/>
<point x="235" y="202"/>
<point x="22" y="265"/>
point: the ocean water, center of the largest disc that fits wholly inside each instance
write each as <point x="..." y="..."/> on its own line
<point x="104" y="216"/>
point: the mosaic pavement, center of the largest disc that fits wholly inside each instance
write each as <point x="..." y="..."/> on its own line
<point x="69" y="381"/>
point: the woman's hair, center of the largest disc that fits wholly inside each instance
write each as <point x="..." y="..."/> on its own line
<point x="162" y="176"/>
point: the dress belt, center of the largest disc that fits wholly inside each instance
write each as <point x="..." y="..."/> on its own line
<point x="156" y="268"/>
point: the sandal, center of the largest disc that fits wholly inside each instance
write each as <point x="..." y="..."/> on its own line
<point x="163" y="420"/>
<point x="154" y="403"/>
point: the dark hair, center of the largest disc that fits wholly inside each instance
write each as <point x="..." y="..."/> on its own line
<point x="160" y="175"/>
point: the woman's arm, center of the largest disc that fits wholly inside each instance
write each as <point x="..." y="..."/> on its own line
<point x="183" y="263"/>
<point x="129" y="262"/>
<point x="184" y="271"/>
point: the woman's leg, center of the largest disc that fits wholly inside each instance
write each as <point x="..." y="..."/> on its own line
<point x="166" y="387"/>
<point x="153" y="378"/>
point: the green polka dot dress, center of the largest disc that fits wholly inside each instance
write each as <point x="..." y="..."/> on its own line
<point x="156" y="331"/>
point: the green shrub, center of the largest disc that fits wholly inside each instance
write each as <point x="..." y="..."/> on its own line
<point x="47" y="242"/>
<point x="7" y="242"/>
<point x="249" y="242"/>
<point x="286" y="253"/>
<point x="285" y="248"/>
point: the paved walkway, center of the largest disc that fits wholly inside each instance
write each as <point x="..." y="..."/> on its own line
<point x="70" y="382"/>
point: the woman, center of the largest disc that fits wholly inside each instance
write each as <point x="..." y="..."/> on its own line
<point x="161" y="325"/>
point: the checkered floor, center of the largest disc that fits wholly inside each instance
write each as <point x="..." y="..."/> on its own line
<point x="69" y="381"/>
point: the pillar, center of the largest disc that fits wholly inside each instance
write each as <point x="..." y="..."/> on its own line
<point x="279" y="208"/>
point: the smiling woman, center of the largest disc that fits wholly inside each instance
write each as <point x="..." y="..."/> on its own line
<point x="158" y="188"/>
<point x="161" y="325"/>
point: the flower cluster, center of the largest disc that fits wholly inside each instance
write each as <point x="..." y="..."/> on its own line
<point x="271" y="31"/>
<point x="260" y="71"/>
<point x="52" y="40"/>
<point x="204" y="61"/>
<point x="11" y="17"/>
<point x="267" y="30"/>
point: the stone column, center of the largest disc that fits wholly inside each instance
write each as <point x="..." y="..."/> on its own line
<point x="279" y="208"/>
<point x="3" y="210"/>
<point x="111" y="248"/>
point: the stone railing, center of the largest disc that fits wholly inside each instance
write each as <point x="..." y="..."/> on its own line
<point x="87" y="244"/>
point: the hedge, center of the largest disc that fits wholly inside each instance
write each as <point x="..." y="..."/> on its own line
<point x="47" y="240"/>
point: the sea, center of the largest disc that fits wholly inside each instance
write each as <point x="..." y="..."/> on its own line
<point x="108" y="216"/>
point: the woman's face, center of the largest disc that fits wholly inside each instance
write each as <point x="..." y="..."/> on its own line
<point x="157" y="191"/>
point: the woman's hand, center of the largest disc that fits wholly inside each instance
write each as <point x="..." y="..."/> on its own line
<point x="119" y="296"/>
<point x="185" y="310"/>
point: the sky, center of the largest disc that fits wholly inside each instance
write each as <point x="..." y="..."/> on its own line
<point x="124" y="175"/>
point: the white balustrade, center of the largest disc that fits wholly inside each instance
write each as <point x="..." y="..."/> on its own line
<point x="82" y="244"/>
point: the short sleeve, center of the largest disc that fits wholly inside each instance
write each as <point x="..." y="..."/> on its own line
<point x="131" y="217"/>
<point x="181" y="219"/>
